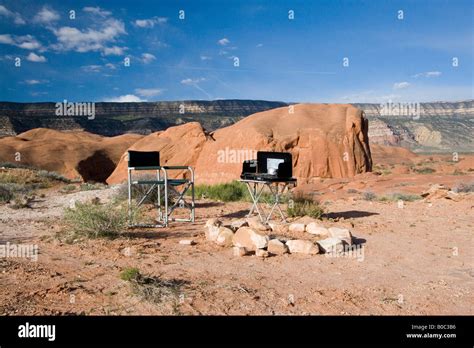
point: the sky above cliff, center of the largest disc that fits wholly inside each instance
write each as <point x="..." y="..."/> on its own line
<point x="294" y="51"/>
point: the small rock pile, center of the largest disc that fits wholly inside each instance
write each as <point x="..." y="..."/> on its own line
<point x="250" y="236"/>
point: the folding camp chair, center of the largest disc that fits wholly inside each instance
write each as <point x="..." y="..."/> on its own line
<point x="150" y="161"/>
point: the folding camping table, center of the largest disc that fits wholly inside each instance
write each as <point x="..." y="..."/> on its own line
<point x="276" y="187"/>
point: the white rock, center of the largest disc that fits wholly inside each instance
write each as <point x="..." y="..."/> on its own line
<point x="250" y="239"/>
<point x="278" y="227"/>
<point x="240" y="251"/>
<point x="297" y="227"/>
<point x="225" y="237"/>
<point x="236" y="224"/>
<point x="187" y="242"/>
<point x="342" y="233"/>
<point x="317" y="230"/>
<point x="302" y="246"/>
<point x="277" y="247"/>
<point x="261" y="253"/>
<point x="331" y="245"/>
<point x="212" y="229"/>
<point x="213" y="222"/>
<point x="257" y="225"/>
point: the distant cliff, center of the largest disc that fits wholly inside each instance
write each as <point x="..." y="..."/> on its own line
<point x="118" y="118"/>
<point x="427" y="127"/>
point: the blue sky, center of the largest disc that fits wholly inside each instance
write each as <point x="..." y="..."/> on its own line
<point x="297" y="60"/>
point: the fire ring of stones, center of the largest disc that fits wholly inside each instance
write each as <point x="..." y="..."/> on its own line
<point x="250" y="236"/>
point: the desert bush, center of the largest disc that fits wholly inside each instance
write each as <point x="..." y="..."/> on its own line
<point x="424" y="170"/>
<point x="53" y="176"/>
<point x="154" y="289"/>
<point x="88" y="186"/>
<point x="6" y="193"/>
<point x="68" y="188"/>
<point x="369" y="196"/>
<point x="228" y="192"/>
<point x="93" y="221"/>
<point x="464" y="188"/>
<point x="352" y="191"/>
<point x="129" y="274"/>
<point x="394" y="197"/>
<point x="12" y="165"/>
<point x="20" y="202"/>
<point x="302" y="205"/>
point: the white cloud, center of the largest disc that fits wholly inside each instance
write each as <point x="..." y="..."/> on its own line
<point x="46" y="16"/>
<point x="150" y="22"/>
<point x="33" y="57"/>
<point x="224" y="41"/>
<point x="148" y="92"/>
<point x="6" y="39"/>
<point x="428" y="74"/>
<point x="73" y="39"/>
<point x="33" y="82"/>
<point x="401" y="85"/>
<point x="92" y="68"/>
<point x="192" y="82"/>
<point x="17" y="19"/>
<point x="206" y="58"/>
<point x="259" y="45"/>
<point x="111" y="66"/>
<point x="128" y="98"/>
<point x="114" y="51"/>
<point x="96" y="11"/>
<point x="27" y="42"/>
<point x="147" y="58"/>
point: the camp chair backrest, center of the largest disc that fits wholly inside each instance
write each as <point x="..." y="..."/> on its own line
<point x="143" y="159"/>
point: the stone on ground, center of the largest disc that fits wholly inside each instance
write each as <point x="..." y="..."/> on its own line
<point x="250" y="239"/>
<point x="302" y="247"/>
<point x="187" y="242"/>
<point x="297" y="227"/>
<point x="331" y="245"/>
<point x="256" y="224"/>
<point x="261" y="253"/>
<point x="342" y="233"/>
<point x="277" y="247"/>
<point x="224" y="237"/>
<point x="240" y="251"/>
<point x="212" y="229"/>
<point x="317" y="230"/>
<point x="278" y="227"/>
<point x="236" y="224"/>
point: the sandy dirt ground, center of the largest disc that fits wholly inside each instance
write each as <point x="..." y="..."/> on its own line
<point x="415" y="259"/>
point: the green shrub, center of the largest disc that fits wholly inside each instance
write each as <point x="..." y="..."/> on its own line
<point x="301" y="205"/>
<point x="129" y="274"/>
<point x="395" y="197"/>
<point x="6" y="193"/>
<point x="228" y="192"/>
<point x="68" y="188"/>
<point x="424" y="170"/>
<point x="93" y="221"/>
<point x="53" y="176"/>
<point x="87" y="186"/>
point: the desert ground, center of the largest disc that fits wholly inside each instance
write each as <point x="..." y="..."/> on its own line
<point x="414" y="258"/>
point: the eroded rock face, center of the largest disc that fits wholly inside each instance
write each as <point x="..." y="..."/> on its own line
<point x="76" y="154"/>
<point x="180" y="146"/>
<point x="325" y="141"/>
